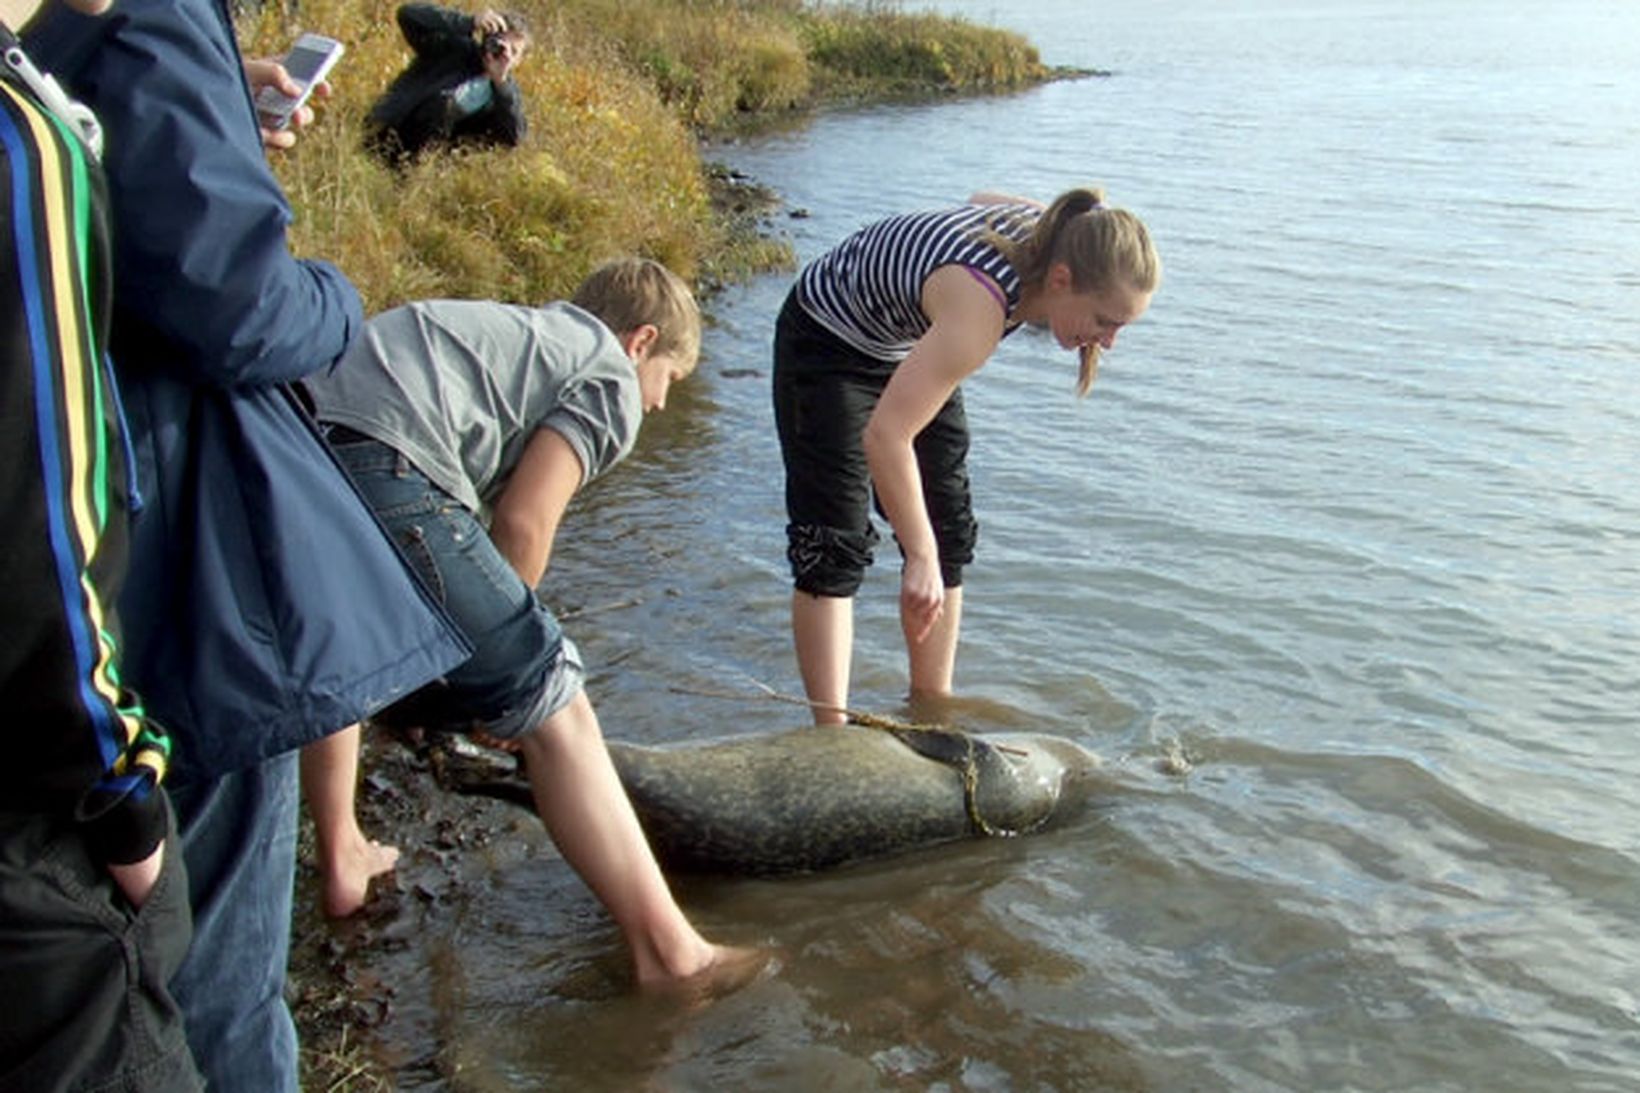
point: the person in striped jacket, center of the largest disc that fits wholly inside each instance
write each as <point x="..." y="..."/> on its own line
<point x="93" y="905"/>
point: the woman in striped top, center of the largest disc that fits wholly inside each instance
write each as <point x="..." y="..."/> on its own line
<point x="870" y="349"/>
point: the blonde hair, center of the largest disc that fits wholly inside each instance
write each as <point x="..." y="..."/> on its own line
<point x="1102" y="247"/>
<point x="627" y="293"/>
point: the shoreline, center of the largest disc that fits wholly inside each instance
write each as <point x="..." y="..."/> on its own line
<point x="338" y="997"/>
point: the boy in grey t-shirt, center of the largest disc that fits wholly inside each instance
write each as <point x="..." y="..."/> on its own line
<point x="468" y="426"/>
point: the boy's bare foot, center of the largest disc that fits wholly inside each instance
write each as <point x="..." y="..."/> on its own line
<point x="729" y="970"/>
<point x="345" y="881"/>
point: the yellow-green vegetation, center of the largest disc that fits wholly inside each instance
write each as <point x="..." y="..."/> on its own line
<point x="606" y="169"/>
<point x="878" y="50"/>
<point x="618" y="94"/>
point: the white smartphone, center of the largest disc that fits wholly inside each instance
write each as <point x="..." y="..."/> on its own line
<point x="308" y="62"/>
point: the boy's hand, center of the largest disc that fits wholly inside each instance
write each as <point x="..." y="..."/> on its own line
<point x="499" y="64"/>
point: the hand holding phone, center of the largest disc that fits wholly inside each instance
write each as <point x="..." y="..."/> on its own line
<point x="308" y="63"/>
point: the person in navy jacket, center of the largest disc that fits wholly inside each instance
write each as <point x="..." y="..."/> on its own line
<point x="265" y="607"/>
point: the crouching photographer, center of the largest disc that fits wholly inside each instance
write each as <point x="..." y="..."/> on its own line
<point x="458" y="88"/>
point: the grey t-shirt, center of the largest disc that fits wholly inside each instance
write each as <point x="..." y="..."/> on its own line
<point x="460" y="386"/>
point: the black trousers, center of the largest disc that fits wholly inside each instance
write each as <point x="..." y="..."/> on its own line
<point x="87" y="976"/>
<point x="824" y="393"/>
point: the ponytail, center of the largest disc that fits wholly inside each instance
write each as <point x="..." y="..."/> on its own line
<point x="1100" y="246"/>
<point x="1032" y="256"/>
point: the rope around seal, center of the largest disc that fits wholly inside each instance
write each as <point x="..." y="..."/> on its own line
<point x="966" y="766"/>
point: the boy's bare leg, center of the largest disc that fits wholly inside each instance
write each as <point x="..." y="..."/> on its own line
<point x="347" y="860"/>
<point x="586" y="811"/>
<point x="823" y="632"/>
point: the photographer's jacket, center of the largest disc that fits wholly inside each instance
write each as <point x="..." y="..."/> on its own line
<point x="265" y="606"/>
<point x="429" y="103"/>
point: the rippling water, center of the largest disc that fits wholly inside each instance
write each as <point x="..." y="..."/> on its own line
<point x="1351" y="522"/>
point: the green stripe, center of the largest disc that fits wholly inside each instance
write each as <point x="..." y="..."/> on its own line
<point x="80" y="189"/>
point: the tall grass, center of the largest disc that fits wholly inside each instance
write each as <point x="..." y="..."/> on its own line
<point x="617" y="94"/>
<point x="877" y="49"/>
<point x="605" y="169"/>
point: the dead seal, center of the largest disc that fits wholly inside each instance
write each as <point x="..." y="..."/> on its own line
<point x="817" y="797"/>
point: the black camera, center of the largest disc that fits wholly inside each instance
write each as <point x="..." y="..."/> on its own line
<point x="495" y="45"/>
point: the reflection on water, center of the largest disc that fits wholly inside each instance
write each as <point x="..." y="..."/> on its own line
<point x="1337" y="568"/>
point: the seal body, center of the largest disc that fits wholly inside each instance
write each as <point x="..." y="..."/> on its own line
<point x="819" y="796"/>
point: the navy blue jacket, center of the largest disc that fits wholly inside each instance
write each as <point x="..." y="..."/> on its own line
<point x="265" y="606"/>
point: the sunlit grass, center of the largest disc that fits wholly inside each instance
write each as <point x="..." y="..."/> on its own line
<point x="606" y="169"/>
<point x="618" y="93"/>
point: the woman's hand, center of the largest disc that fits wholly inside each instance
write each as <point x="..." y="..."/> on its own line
<point x="922" y="597"/>
<point x="966" y="324"/>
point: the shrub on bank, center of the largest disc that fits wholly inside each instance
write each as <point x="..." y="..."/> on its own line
<point x="877" y="50"/>
<point x="606" y="169"/>
<point x="617" y="93"/>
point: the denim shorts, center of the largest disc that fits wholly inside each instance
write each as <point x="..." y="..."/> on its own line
<point x="523" y="669"/>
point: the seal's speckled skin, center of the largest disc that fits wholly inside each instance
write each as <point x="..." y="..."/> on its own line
<point x="819" y="796"/>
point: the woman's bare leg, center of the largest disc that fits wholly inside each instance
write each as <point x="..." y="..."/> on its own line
<point x="934" y="659"/>
<point x="823" y="632"/>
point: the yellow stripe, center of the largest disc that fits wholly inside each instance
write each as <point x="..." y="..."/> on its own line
<point x="65" y="313"/>
<point x="154" y="760"/>
<point x="59" y="252"/>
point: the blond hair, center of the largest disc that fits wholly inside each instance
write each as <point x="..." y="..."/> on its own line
<point x="1102" y="247"/>
<point x="627" y="293"/>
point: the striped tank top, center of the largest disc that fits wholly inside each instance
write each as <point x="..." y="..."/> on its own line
<point x="867" y="290"/>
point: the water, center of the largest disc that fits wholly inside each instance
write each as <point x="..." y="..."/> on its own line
<point x="1350" y="521"/>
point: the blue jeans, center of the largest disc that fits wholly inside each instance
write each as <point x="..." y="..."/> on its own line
<point x="522" y="669"/>
<point x="239" y="842"/>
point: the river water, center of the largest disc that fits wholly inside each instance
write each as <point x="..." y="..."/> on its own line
<point x="1350" y="524"/>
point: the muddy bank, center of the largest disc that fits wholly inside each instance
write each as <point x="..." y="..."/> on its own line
<point x="338" y="994"/>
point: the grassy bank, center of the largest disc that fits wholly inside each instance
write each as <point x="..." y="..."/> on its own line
<point x="618" y="95"/>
